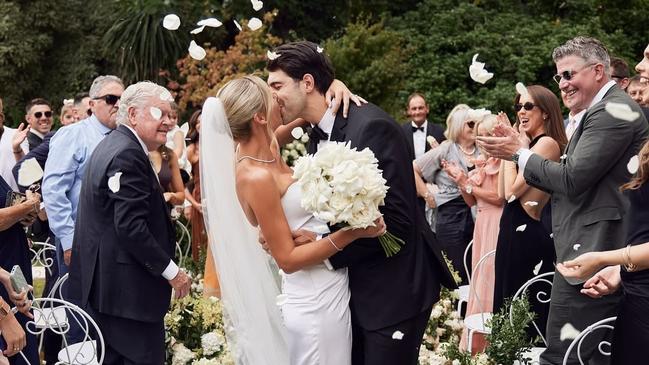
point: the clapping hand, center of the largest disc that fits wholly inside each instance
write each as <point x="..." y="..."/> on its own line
<point x="504" y="141"/>
<point x="455" y="172"/>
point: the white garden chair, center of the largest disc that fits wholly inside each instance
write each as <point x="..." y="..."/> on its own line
<point x="90" y="351"/>
<point x="184" y="234"/>
<point x="56" y="312"/>
<point x="477" y="323"/>
<point x="41" y="251"/>
<point x="542" y="297"/>
<point x="604" y="347"/>
<point x="463" y="290"/>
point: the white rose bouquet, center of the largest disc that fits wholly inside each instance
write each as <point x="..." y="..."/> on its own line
<point x="341" y="185"/>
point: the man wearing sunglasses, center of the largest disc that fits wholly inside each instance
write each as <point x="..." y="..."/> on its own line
<point x="588" y="210"/>
<point x="39" y="118"/>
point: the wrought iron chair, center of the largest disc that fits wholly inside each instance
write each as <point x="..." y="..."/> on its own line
<point x="463" y="290"/>
<point x="477" y="323"/>
<point x="604" y="347"/>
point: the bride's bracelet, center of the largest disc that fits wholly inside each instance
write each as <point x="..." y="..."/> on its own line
<point x="626" y="256"/>
<point x="333" y="244"/>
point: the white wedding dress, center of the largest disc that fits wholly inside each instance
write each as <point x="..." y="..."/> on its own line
<point x="315" y="300"/>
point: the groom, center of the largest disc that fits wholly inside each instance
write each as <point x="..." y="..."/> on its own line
<point x="391" y="297"/>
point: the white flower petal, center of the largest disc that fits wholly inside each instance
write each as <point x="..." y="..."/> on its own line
<point x="319" y="49"/>
<point x="237" y="24"/>
<point x="171" y="22"/>
<point x="68" y="101"/>
<point x="155" y="113"/>
<point x="551" y="235"/>
<point x="210" y="22"/>
<point x="521" y="228"/>
<point x="254" y="24"/>
<point x="165" y="95"/>
<point x="257" y="5"/>
<point x="113" y="182"/>
<point x="196" y="52"/>
<point x="197" y="30"/>
<point x="621" y="111"/>
<point x="478" y="114"/>
<point x="281" y="300"/>
<point x="511" y="198"/>
<point x="297" y="132"/>
<point x="537" y="268"/>
<point x="568" y="332"/>
<point x="397" y="335"/>
<point x="633" y="164"/>
<point x="521" y="89"/>
<point x="272" y="55"/>
<point x="531" y="203"/>
<point x="563" y="157"/>
<point x="30" y="172"/>
<point x="477" y="71"/>
<point x="576" y="246"/>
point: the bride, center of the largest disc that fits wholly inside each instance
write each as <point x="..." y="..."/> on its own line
<point x="250" y="186"/>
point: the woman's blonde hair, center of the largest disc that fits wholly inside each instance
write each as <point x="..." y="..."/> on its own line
<point x="242" y="98"/>
<point x="455" y="121"/>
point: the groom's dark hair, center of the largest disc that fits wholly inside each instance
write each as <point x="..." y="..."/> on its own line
<point x="299" y="58"/>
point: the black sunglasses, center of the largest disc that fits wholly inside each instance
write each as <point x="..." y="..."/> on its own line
<point x="110" y="99"/>
<point x="569" y="74"/>
<point x="471" y="124"/>
<point x="37" y="115"/>
<point x="89" y="112"/>
<point x="527" y="106"/>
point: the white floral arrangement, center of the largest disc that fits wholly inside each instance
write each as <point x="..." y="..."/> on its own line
<point x="292" y="151"/>
<point x="343" y="186"/>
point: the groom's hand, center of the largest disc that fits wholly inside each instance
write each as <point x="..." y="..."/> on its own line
<point x="181" y="284"/>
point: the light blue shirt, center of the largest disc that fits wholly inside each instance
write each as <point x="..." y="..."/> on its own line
<point x="70" y="150"/>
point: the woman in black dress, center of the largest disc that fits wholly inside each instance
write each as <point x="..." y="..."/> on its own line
<point x="523" y="242"/>
<point x="631" y="335"/>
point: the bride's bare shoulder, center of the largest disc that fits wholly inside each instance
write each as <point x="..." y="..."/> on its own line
<point x="255" y="178"/>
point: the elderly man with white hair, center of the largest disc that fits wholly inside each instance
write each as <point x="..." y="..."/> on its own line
<point x="123" y="244"/>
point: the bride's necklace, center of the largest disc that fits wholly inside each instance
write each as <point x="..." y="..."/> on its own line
<point x="254" y="159"/>
<point x="465" y="152"/>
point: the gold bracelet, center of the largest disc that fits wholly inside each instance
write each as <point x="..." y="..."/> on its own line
<point x="333" y="244"/>
<point x="17" y="152"/>
<point x="626" y="255"/>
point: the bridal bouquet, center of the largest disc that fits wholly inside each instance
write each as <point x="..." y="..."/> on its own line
<point x="343" y="186"/>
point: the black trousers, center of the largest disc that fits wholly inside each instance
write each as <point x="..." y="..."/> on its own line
<point x="379" y="347"/>
<point x="454" y="229"/>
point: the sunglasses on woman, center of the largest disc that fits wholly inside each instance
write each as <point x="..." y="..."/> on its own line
<point x="38" y="115"/>
<point x="110" y="99"/>
<point x="527" y="106"/>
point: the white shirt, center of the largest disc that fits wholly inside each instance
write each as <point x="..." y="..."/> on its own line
<point x="7" y="158"/>
<point x="526" y="153"/>
<point x="172" y="269"/>
<point x="573" y="123"/>
<point x="419" y="139"/>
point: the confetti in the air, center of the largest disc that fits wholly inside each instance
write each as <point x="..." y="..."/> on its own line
<point x="531" y="203"/>
<point x="521" y="89"/>
<point x="521" y="228"/>
<point x="397" y="335"/>
<point x="633" y="164"/>
<point x="621" y="111"/>
<point x="156" y="113"/>
<point x="30" y="172"/>
<point x="297" y="132"/>
<point x="171" y="22"/>
<point x="254" y="24"/>
<point x="113" y="182"/>
<point x="196" y="52"/>
<point x="272" y="55"/>
<point x="568" y="332"/>
<point x="477" y="71"/>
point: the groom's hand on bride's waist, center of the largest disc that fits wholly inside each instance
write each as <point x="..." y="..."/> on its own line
<point x="300" y="237"/>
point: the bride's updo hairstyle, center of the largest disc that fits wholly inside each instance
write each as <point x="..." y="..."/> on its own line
<point x="242" y="98"/>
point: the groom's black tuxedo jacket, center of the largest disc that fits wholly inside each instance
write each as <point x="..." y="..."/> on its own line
<point x="123" y="240"/>
<point x="386" y="291"/>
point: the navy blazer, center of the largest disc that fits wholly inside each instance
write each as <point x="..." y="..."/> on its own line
<point x="123" y="237"/>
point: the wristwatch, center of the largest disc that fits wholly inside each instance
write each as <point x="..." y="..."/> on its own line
<point x="4" y="309"/>
<point x="516" y="156"/>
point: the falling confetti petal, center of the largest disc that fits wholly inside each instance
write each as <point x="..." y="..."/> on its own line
<point x="210" y="22"/>
<point x="521" y="228"/>
<point x="531" y="203"/>
<point x="397" y="335"/>
<point x="30" y="172"/>
<point x="478" y="114"/>
<point x="113" y="182"/>
<point x="521" y="89"/>
<point x="511" y="198"/>
<point x="257" y="5"/>
<point x="633" y="165"/>
<point x="68" y="101"/>
<point x="297" y="132"/>
<point x="171" y="22"/>
<point x="621" y="111"/>
<point x="537" y="268"/>
<point x="254" y="24"/>
<point x="155" y="113"/>
<point x="272" y="55"/>
<point x="197" y="30"/>
<point x="237" y="24"/>
<point x="165" y="95"/>
<point x="281" y="299"/>
<point x="281" y="272"/>
<point x="551" y="235"/>
<point x="196" y="52"/>
<point x="576" y="246"/>
<point x="431" y="140"/>
<point x="477" y="71"/>
<point x="319" y="49"/>
<point x="568" y="332"/>
<point x="563" y="157"/>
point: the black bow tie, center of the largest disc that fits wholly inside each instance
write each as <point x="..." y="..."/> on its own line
<point x="316" y="134"/>
<point x="415" y="129"/>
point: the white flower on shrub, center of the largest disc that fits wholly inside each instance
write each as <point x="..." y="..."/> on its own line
<point x="211" y="343"/>
<point x="181" y="354"/>
<point x="204" y="361"/>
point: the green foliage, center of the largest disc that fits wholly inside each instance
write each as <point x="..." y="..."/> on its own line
<point x="508" y="338"/>
<point x="371" y="61"/>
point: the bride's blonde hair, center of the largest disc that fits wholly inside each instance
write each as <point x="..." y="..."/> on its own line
<point x="242" y="98"/>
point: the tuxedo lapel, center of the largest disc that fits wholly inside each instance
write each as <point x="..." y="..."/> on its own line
<point x="338" y="132"/>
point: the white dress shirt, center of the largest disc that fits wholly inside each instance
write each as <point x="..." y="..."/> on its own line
<point x="573" y="123"/>
<point x="419" y="139"/>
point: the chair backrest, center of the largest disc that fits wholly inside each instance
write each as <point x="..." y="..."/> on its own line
<point x="541" y="296"/>
<point x="604" y="347"/>
<point x="184" y="235"/>
<point x="467" y="264"/>
<point x="57" y="288"/>
<point x="49" y="319"/>
<point x="478" y="267"/>
<point x="44" y="254"/>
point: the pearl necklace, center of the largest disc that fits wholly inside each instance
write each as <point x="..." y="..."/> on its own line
<point x="254" y="159"/>
<point x="465" y="152"/>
